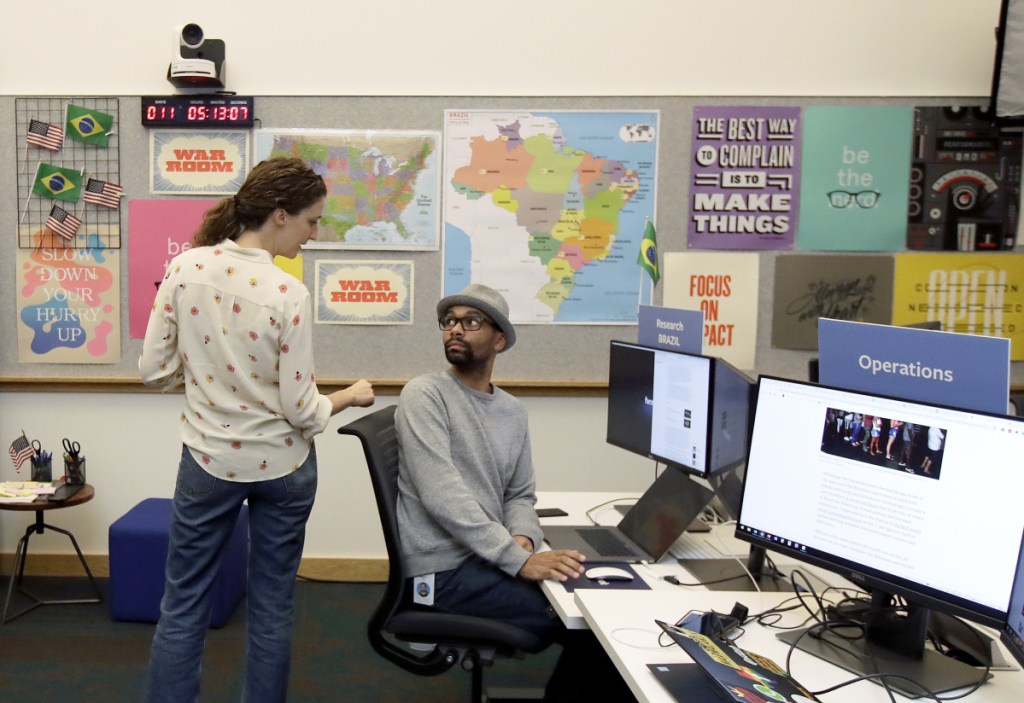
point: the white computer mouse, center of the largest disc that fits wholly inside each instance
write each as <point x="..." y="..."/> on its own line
<point x="607" y="573"/>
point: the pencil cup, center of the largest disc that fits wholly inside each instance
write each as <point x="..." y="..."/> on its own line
<point x="74" y="471"/>
<point x="42" y="469"/>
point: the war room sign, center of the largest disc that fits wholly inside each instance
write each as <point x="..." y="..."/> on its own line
<point x="190" y="162"/>
<point x="364" y="292"/>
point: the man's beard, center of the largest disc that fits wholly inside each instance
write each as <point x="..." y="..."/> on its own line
<point x="461" y="357"/>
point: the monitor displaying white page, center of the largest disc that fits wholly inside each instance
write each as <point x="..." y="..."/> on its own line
<point x="812" y="490"/>
<point x="659" y="404"/>
<point x="1013" y="630"/>
<point x="682" y="406"/>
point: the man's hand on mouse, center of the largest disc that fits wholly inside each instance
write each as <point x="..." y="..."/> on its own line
<point x="558" y="564"/>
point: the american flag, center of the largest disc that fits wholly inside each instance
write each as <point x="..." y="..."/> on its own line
<point x="103" y="193"/>
<point x="62" y="222"/>
<point x="47" y="136"/>
<point x="20" y="451"/>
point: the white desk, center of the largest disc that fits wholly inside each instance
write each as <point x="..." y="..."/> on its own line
<point x="577" y="503"/>
<point x="623" y="622"/>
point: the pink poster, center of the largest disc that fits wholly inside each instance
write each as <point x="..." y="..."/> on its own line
<point x="158" y="230"/>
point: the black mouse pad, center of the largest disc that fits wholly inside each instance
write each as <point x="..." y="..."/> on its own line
<point x="637" y="584"/>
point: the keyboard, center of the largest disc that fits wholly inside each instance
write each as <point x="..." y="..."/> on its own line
<point x="605" y="542"/>
<point x="690" y="547"/>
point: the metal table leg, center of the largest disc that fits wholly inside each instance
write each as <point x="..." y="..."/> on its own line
<point x="18" y="573"/>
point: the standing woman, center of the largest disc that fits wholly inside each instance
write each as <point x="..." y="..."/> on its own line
<point x="236" y="330"/>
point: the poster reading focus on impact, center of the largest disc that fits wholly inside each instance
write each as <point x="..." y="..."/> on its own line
<point x="725" y="288"/>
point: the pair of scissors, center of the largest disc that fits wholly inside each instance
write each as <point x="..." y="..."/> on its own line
<point x="37" y="447"/>
<point x="73" y="449"/>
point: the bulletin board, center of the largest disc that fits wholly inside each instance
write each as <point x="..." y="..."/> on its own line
<point x="562" y="358"/>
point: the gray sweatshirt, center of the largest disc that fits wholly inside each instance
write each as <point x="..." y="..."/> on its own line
<point x="465" y="483"/>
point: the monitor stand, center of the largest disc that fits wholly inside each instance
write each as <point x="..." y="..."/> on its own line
<point x="891" y="644"/>
<point x="727" y="575"/>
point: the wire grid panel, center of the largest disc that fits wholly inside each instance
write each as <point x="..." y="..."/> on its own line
<point x="101" y="226"/>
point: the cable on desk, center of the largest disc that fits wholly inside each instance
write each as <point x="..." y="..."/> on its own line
<point x="614" y="634"/>
<point x="590" y="510"/>
<point x="835" y="627"/>
<point x="775" y="614"/>
<point x="676" y="582"/>
<point x="722" y="628"/>
<point x="725" y="550"/>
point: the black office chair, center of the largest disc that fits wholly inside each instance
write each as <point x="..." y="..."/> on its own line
<point x="471" y="641"/>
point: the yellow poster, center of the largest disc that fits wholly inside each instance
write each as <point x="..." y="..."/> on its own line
<point x="979" y="294"/>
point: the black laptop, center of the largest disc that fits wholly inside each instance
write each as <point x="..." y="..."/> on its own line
<point x="724" y="672"/>
<point x="646" y="531"/>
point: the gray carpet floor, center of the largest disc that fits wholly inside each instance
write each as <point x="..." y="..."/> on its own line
<point x="76" y="654"/>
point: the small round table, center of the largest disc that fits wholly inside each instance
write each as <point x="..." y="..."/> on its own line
<point x="40" y="505"/>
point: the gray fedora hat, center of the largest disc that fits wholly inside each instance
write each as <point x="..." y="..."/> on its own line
<point x="486" y="300"/>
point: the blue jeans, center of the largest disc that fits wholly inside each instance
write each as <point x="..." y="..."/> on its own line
<point x="478" y="588"/>
<point x="205" y="511"/>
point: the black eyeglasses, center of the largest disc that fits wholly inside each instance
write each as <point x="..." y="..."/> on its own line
<point x="470" y="323"/>
<point x="866" y="199"/>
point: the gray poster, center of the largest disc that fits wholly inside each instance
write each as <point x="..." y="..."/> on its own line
<point x="808" y="286"/>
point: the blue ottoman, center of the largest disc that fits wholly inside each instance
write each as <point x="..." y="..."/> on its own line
<point x="138" y="556"/>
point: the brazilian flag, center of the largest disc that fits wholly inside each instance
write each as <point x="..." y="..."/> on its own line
<point x="648" y="256"/>
<point x="57" y="182"/>
<point x="89" y="126"/>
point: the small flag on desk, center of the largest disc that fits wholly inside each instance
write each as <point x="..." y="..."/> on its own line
<point x="20" y="451"/>
<point x="648" y="256"/>
<point x="102" y="193"/>
<point x="45" y="135"/>
<point x="63" y="223"/>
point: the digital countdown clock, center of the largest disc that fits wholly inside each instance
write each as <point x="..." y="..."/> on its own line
<point x="197" y="111"/>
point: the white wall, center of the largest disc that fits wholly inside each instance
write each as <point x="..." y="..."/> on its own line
<point x="132" y="447"/>
<point x="453" y="47"/>
<point x="534" y="47"/>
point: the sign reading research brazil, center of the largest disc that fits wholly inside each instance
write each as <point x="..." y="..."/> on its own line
<point x="382" y="185"/>
<point x="549" y="208"/>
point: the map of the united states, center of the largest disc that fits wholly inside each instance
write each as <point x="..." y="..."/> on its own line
<point x="381" y="187"/>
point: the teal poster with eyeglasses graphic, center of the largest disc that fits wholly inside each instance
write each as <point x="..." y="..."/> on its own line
<point x="854" y="181"/>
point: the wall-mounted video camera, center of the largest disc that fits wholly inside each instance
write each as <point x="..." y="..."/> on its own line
<point x="197" y="62"/>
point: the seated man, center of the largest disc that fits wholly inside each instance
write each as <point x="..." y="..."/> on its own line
<point x="466" y="496"/>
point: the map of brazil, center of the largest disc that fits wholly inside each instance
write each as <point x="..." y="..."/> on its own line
<point x="382" y="186"/>
<point x="550" y="208"/>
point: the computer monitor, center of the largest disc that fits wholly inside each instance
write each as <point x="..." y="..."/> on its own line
<point x="693" y="413"/>
<point x="684" y="410"/>
<point x="1012" y="632"/>
<point x="887" y="515"/>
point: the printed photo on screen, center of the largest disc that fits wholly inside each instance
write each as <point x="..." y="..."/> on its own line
<point x="881" y="441"/>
